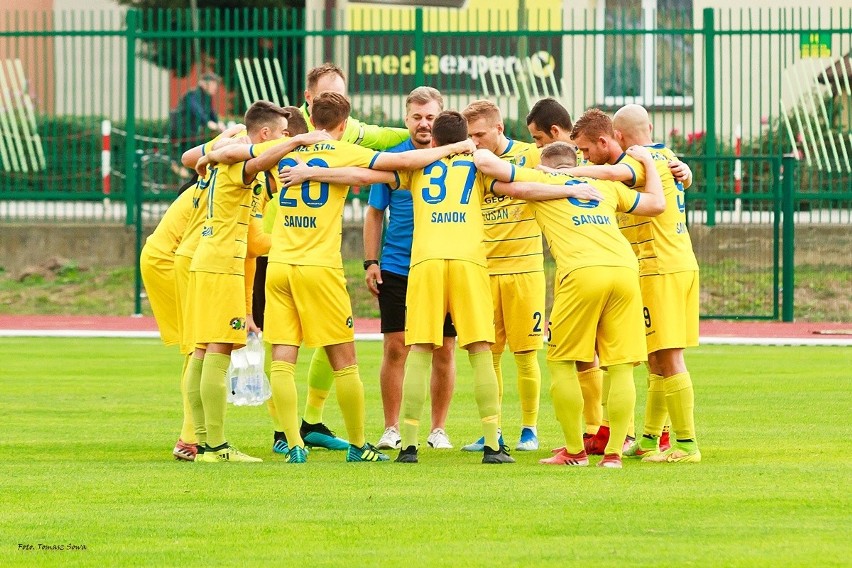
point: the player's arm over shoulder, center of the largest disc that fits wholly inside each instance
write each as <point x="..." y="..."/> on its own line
<point x="612" y="172"/>
<point x="295" y="175"/>
<point x="652" y="201"/>
<point x="376" y="137"/>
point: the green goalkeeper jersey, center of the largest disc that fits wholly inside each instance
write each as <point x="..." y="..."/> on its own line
<point x="366" y="135"/>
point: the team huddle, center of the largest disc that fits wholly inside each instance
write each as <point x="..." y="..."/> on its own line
<point x="255" y="243"/>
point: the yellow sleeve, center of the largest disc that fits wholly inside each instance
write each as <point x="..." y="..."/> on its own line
<point x="259" y="241"/>
<point x="626" y="199"/>
<point x="531" y="175"/>
<point x="638" y="171"/>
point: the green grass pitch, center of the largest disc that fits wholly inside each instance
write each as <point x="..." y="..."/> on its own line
<point x="88" y="426"/>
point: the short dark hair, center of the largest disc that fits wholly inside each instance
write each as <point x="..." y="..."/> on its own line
<point x="547" y="113"/>
<point x="329" y="109"/>
<point x="449" y="127"/>
<point x="296" y="123"/>
<point x="263" y="113"/>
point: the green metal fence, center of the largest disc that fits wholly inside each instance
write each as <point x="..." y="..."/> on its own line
<point x="731" y="90"/>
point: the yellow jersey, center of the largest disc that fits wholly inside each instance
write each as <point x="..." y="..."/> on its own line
<point x="309" y="222"/>
<point x="662" y="243"/>
<point x="626" y="222"/>
<point x="583" y="233"/>
<point x="222" y="248"/>
<point x="512" y="237"/>
<point x="198" y="213"/>
<point x="165" y="239"/>
<point x="448" y="222"/>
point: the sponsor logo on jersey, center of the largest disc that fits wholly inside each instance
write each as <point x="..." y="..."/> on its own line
<point x="449" y="217"/>
<point x="300" y="221"/>
<point x="207" y="231"/>
<point x="495" y="215"/>
<point x="591" y="220"/>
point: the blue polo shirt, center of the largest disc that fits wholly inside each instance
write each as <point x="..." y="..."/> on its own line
<point x="396" y="252"/>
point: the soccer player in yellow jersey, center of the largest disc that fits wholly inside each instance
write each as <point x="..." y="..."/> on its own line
<point x="182" y="260"/>
<point x="593" y="134"/>
<point x="668" y="274"/>
<point x="306" y="292"/>
<point x="216" y="290"/>
<point x="447" y="254"/>
<point x="515" y="268"/>
<point x="548" y="121"/>
<point x="330" y="77"/>
<point x="597" y="302"/>
<point x="159" y="274"/>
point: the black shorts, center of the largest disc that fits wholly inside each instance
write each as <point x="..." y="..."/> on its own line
<point x="258" y="299"/>
<point x="392" y="304"/>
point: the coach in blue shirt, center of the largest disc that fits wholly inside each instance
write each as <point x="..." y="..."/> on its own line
<point x="388" y="281"/>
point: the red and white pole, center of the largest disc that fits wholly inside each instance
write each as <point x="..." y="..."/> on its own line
<point x="738" y="169"/>
<point x="106" y="167"/>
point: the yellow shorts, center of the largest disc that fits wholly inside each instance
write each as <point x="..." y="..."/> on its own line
<point x="158" y="275"/>
<point x="671" y="310"/>
<point x="217" y="305"/>
<point x="182" y="303"/>
<point x="458" y="287"/>
<point x="307" y="303"/>
<point x="597" y="307"/>
<point x="518" y="311"/>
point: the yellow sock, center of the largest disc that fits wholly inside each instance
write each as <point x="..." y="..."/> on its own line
<point x="214" y="396"/>
<point x="680" y="399"/>
<point x="621" y="404"/>
<point x="656" y="409"/>
<point x="529" y="387"/>
<point x="187" y="430"/>
<point x="415" y="384"/>
<point x="270" y="403"/>
<point x="591" y="384"/>
<point x="567" y="402"/>
<point x="350" y="397"/>
<point x="604" y="397"/>
<point x="486" y="394"/>
<point x="193" y="395"/>
<point x="498" y="370"/>
<point x="282" y="379"/>
<point x="320" y="379"/>
<point x="267" y="358"/>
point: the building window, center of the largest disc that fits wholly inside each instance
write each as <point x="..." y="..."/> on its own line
<point x="649" y="69"/>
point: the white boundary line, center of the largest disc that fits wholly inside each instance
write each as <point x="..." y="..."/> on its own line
<point x="792" y="341"/>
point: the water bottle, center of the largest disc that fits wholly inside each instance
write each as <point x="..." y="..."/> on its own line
<point x="248" y="382"/>
<point x="237" y="377"/>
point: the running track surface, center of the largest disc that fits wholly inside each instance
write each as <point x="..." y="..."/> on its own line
<point x="708" y="328"/>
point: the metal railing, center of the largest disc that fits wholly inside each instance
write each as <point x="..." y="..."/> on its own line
<point x="731" y="90"/>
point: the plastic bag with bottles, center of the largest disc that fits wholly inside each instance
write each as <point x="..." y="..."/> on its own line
<point x="248" y="384"/>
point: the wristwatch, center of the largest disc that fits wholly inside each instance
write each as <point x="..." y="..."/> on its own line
<point x="369" y="263"/>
